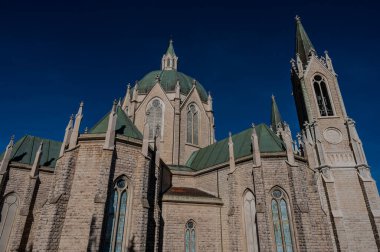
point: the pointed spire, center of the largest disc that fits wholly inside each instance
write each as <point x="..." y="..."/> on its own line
<point x="276" y="119"/>
<point x="66" y="138"/>
<point x="170" y="49"/>
<point x="75" y="131"/>
<point x="7" y="156"/>
<point x="169" y="60"/>
<point x="36" y="163"/>
<point x="109" y="142"/>
<point x="127" y="98"/>
<point x="329" y="62"/>
<point x="303" y="44"/>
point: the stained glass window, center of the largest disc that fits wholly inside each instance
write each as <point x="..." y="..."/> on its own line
<point x="154" y="117"/>
<point x="116" y="217"/>
<point x="8" y="213"/>
<point x="322" y="95"/>
<point x="192" y="124"/>
<point x="281" y="225"/>
<point x="190" y="242"/>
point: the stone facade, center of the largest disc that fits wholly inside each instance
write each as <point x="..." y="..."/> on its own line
<point x="138" y="181"/>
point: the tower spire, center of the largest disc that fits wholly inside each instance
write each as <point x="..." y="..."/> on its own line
<point x="303" y="43"/>
<point x="169" y="60"/>
<point x="276" y="119"/>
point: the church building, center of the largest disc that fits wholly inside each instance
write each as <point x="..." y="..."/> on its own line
<point x="150" y="175"/>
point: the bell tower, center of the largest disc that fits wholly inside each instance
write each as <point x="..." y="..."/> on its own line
<point x="333" y="147"/>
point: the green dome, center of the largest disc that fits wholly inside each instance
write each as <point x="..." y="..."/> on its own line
<point x="168" y="81"/>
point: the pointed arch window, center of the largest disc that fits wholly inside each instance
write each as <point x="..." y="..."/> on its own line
<point x="190" y="236"/>
<point x="322" y="95"/>
<point x="154" y="115"/>
<point x="8" y="213"/>
<point x="281" y="222"/>
<point x="116" y="223"/>
<point x="250" y="222"/>
<point x="192" y="124"/>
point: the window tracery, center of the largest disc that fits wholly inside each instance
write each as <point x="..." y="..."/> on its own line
<point x="192" y="124"/>
<point x="281" y="222"/>
<point x="117" y="210"/>
<point x="190" y="236"/>
<point x="154" y="116"/>
<point x="322" y="95"/>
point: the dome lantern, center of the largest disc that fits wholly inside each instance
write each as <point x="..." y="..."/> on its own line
<point x="169" y="60"/>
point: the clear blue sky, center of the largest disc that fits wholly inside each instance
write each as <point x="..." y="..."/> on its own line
<point x="54" y="54"/>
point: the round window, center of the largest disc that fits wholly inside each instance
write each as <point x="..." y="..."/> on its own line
<point x="277" y="193"/>
<point x="121" y="183"/>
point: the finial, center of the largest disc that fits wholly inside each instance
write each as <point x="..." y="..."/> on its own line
<point x="229" y="134"/>
<point x="297" y="18"/>
<point x="86" y="130"/>
<point x="129" y="85"/>
<point x="81" y="104"/>
<point x="194" y="82"/>
<point x="72" y="117"/>
<point x="157" y="77"/>
<point x="114" y="102"/>
<point x="12" y="137"/>
<point x="253" y="125"/>
<point x="273" y="97"/>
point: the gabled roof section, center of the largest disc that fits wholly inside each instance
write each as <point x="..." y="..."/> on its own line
<point x="303" y="43"/>
<point x="25" y="149"/>
<point x="217" y="153"/>
<point x="124" y="126"/>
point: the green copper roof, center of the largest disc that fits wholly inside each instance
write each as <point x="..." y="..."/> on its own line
<point x="24" y="151"/>
<point x="124" y="125"/>
<point x="275" y="115"/>
<point x="170" y="49"/>
<point x="218" y="153"/>
<point x="303" y="43"/>
<point x="168" y="81"/>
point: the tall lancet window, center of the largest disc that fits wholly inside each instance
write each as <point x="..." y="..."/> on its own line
<point x="192" y="124"/>
<point x="8" y="214"/>
<point x="154" y="116"/>
<point x="190" y="236"/>
<point x="250" y="222"/>
<point x="116" y="222"/>
<point x="281" y="222"/>
<point x="322" y="95"/>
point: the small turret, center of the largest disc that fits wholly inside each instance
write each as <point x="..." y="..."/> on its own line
<point x="66" y="138"/>
<point x="169" y="60"/>
<point x="75" y="131"/>
<point x="109" y="142"/>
